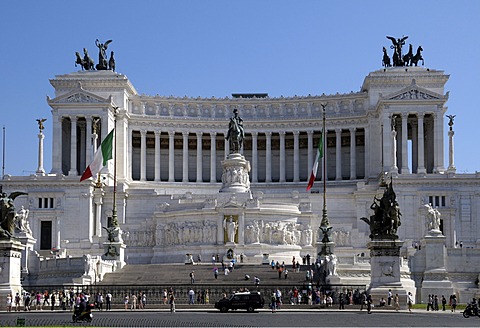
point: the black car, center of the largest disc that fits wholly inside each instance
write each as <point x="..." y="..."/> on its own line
<point x="245" y="300"/>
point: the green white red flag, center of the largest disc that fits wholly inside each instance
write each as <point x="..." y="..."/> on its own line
<point x="313" y="175"/>
<point x="101" y="157"/>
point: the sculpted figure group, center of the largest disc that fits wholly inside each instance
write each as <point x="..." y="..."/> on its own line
<point x="87" y="62"/>
<point x="9" y="217"/>
<point x="385" y="221"/>
<point x="409" y="59"/>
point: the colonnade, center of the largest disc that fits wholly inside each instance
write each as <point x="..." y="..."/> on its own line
<point x="425" y="132"/>
<point x="275" y="156"/>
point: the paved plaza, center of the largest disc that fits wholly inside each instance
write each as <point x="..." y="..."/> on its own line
<point x="263" y="318"/>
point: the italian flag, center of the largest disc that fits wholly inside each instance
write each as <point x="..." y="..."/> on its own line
<point x="315" y="165"/>
<point x="101" y="157"/>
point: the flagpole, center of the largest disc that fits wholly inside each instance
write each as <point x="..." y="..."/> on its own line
<point x="324" y="222"/>
<point x="114" y="207"/>
<point x="325" y="228"/>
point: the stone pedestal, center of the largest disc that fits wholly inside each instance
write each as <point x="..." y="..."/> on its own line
<point x="385" y="264"/>
<point x="235" y="177"/>
<point x="115" y="251"/>
<point x="28" y="243"/>
<point x="10" y="267"/>
<point x="435" y="279"/>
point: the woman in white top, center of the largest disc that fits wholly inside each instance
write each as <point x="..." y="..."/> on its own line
<point x="9" y="303"/>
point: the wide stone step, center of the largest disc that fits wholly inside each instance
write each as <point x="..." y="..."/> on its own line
<point x="204" y="274"/>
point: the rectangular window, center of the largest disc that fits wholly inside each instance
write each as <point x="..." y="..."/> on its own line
<point x="443" y="201"/>
<point x="45" y="235"/>
<point x="45" y="202"/>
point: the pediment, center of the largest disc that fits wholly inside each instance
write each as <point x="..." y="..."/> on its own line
<point x="414" y="92"/>
<point x="232" y="204"/>
<point x="79" y="96"/>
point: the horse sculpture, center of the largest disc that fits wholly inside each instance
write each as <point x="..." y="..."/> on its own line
<point x="407" y="59"/>
<point x="86" y="63"/>
<point x="417" y="57"/>
<point x="386" y="58"/>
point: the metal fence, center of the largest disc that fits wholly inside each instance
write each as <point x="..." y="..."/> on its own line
<point x="154" y="293"/>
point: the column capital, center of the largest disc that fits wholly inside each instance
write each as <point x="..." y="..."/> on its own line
<point x="296" y="133"/>
<point x="268" y="133"/>
<point x="157" y="133"/>
<point x="352" y="129"/>
<point x="199" y="134"/>
<point x="310" y="133"/>
<point x="213" y="134"/>
<point x="143" y="132"/>
<point x="420" y="116"/>
<point x="185" y="134"/>
<point x="73" y="118"/>
<point x="338" y="130"/>
<point x="282" y="133"/>
<point x="171" y="133"/>
<point x="254" y="134"/>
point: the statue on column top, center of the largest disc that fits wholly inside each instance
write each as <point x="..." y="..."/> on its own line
<point x="40" y="124"/>
<point x="236" y="133"/>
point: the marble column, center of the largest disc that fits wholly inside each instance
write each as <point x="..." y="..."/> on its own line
<point x="405" y="169"/>
<point x="310" y="152"/>
<point x="199" y="157"/>
<point x="338" y="154"/>
<point x="353" y="154"/>
<point x="213" y="156"/>
<point x="254" y="156"/>
<point x="387" y="143"/>
<point x="282" y="156"/>
<point x="438" y="141"/>
<point x="40" y="169"/>
<point x="296" y="156"/>
<point x="98" y="201"/>
<point x="414" y="160"/>
<point x="143" y="155"/>
<point x="88" y="138"/>
<point x="171" y="156"/>
<point x="227" y="147"/>
<point x="157" y="156"/>
<point x="185" y="156"/>
<point x="394" y="168"/>
<point x="268" y="163"/>
<point x="421" y="145"/>
<point x="367" y="152"/>
<point x="451" y="164"/>
<point x="57" y="136"/>
<point x="73" y="146"/>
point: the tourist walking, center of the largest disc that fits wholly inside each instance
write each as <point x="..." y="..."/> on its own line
<point x="17" y="302"/>
<point x="410" y="301"/>
<point x="192" y="277"/>
<point x="444" y="302"/>
<point x="134" y="302"/>
<point x="125" y="301"/>
<point x="172" y="303"/>
<point x="108" y="299"/>
<point x="9" y="303"/>
<point x="396" y="302"/>
<point x="191" y="296"/>
<point x="369" y="304"/>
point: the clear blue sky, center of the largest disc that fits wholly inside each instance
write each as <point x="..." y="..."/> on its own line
<point x="216" y="48"/>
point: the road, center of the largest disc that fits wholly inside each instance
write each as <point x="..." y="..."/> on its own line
<point x="262" y="318"/>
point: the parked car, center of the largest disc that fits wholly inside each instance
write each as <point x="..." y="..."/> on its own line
<point x="245" y="300"/>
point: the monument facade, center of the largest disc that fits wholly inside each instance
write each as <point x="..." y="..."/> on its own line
<point x="192" y="176"/>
